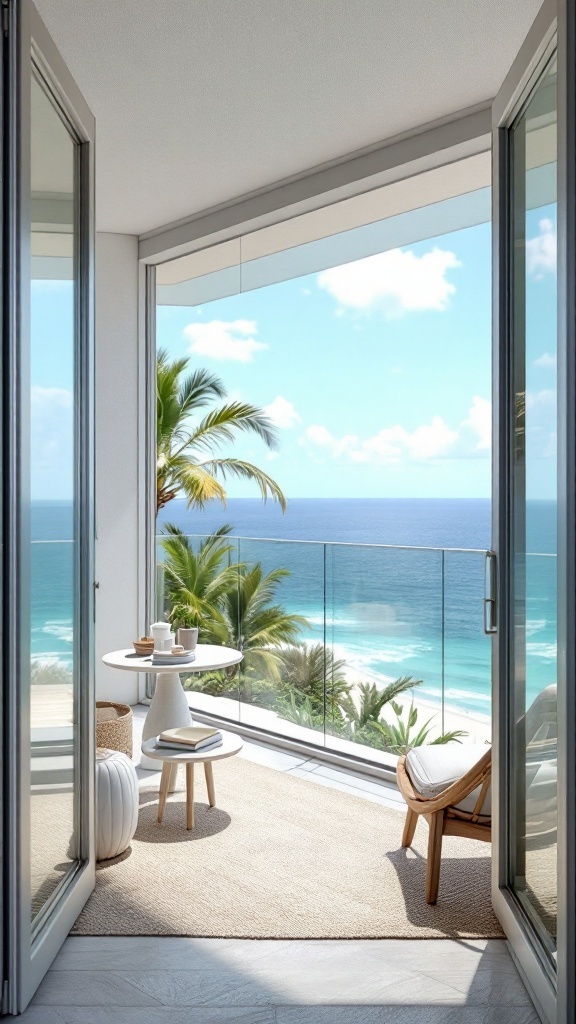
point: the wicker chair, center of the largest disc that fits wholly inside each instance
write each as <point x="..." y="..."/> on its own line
<point x="451" y="786"/>
<point x="452" y="800"/>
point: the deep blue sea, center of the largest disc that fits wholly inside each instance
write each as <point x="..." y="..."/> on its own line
<point x="389" y="611"/>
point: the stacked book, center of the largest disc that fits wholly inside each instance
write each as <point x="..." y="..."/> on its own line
<point x="190" y="738"/>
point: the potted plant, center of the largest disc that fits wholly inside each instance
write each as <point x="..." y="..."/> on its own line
<point x="183" y="621"/>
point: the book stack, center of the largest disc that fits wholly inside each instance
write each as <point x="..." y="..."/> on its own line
<point x="190" y="738"/>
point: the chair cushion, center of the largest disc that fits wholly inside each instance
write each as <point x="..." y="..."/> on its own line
<point x="541" y="797"/>
<point x="435" y="767"/>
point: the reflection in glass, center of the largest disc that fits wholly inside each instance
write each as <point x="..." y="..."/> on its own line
<point x="534" y="569"/>
<point x="52" y="344"/>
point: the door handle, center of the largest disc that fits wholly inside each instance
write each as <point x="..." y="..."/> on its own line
<point x="490" y="593"/>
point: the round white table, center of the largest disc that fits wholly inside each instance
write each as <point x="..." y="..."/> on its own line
<point x="169" y="708"/>
<point x="230" y="745"/>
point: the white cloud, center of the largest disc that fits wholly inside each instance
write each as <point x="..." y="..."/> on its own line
<point x="546" y="397"/>
<point x="282" y="413"/>
<point x="396" y="281"/>
<point x="394" y="445"/>
<point x="541" y="250"/>
<point x="479" y="423"/>
<point x="546" y="360"/>
<point x="230" y="340"/>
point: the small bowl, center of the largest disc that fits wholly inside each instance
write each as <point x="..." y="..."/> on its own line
<point x="145" y="645"/>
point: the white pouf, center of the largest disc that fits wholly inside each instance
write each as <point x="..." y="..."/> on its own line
<point x="116" y="803"/>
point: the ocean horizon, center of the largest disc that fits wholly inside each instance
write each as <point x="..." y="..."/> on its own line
<point x="410" y="604"/>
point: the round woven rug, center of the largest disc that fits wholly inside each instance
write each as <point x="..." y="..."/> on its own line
<point x="281" y="857"/>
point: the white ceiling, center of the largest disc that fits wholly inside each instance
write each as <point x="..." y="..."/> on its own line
<point x="198" y="102"/>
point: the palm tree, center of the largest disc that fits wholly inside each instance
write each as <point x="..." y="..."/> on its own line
<point x="198" y="581"/>
<point x="255" y="625"/>
<point x="185" y="445"/>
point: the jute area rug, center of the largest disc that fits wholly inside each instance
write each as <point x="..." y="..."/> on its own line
<point x="281" y="857"/>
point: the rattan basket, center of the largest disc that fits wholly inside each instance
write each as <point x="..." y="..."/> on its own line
<point x="114" y="726"/>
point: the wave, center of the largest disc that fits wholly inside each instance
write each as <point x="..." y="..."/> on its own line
<point x="549" y="651"/>
<point x="535" y="626"/>
<point x="461" y="695"/>
<point x="61" y="630"/>
<point x="318" y="620"/>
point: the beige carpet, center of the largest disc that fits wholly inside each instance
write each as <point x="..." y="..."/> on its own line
<point x="281" y="857"/>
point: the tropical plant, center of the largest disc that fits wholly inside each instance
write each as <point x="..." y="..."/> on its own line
<point x="186" y="462"/>
<point x="196" y="582"/>
<point x="363" y="716"/>
<point x="363" y="721"/>
<point x="313" y="670"/>
<point x="49" y="673"/>
<point x="399" y="737"/>
<point x="301" y="710"/>
<point x="182" y="617"/>
<point x="253" y="623"/>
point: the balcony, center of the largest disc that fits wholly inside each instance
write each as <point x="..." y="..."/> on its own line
<point x="381" y="611"/>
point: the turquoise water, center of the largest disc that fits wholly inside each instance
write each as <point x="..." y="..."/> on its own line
<point x="389" y="612"/>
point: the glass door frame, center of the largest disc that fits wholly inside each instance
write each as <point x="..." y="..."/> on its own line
<point x="553" y="990"/>
<point x="31" y="948"/>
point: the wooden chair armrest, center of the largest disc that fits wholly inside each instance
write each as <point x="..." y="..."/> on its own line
<point x="450" y="796"/>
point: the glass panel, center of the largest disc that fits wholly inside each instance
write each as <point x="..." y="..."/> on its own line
<point x="534" y="335"/>
<point x="384" y="623"/>
<point x="325" y="628"/>
<point x="54" y="833"/>
<point x="281" y="630"/>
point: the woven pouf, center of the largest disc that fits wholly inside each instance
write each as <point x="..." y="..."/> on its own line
<point x="114" y="726"/>
<point x="116" y="803"/>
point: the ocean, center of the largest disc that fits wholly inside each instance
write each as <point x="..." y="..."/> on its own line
<point x="361" y="577"/>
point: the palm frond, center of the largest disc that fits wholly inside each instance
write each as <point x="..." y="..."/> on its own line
<point x="247" y="471"/>
<point x="221" y="424"/>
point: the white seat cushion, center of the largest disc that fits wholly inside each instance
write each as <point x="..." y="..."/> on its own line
<point x="433" y="768"/>
<point x="541" y="798"/>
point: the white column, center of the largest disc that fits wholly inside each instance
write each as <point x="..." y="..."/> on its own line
<point x="118" y="487"/>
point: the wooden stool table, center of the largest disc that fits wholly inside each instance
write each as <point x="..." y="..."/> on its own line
<point x="230" y="745"/>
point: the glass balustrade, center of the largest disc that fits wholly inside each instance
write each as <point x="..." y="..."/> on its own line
<point x="366" y="649"/>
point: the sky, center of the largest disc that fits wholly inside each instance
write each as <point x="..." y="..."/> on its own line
<point x="377" y="373"/>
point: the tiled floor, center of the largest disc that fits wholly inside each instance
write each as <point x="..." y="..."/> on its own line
<point x="234" y="981"/>
<point x="221" y="981"/>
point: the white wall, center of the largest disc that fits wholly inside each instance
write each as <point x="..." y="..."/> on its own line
<point x="117" y="483"/>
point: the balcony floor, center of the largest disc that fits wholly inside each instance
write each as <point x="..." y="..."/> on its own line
<point x="222" y="981"/>
<point x="154" y="980"/>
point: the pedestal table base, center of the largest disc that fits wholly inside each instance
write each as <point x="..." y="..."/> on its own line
<point x="168" y="710"/>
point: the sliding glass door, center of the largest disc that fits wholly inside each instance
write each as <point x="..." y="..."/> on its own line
<point x="48" y="621"/>
<point x="533" y="490"/>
